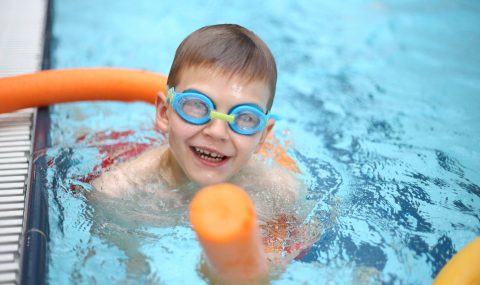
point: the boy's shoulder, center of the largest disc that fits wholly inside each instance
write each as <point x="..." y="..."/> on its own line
<point x="138" y="171"/>
<point x="267" y="172"/>
<point x="272" y="187"/>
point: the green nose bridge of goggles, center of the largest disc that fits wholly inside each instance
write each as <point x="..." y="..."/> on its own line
<point x="222" y="116"/>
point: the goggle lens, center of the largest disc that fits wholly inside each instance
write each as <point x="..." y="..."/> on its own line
<point x="194" y="107"/>
<point x="246" y="120"/>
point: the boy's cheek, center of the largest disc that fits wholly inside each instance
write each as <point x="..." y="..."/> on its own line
<point x="265" y="134"/>
<point x="253" y="147"/>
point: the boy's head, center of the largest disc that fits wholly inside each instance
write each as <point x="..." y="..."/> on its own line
<point x="222" y="84"/>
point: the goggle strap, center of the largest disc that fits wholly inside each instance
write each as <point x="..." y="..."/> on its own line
<point x="170" y="95"/>
<point x="222" y="116"/>
<point x="274" y="117"/>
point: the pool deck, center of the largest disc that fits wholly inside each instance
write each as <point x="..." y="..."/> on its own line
<point x="22" y="29"/>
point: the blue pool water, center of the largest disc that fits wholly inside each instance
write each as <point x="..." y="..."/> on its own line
<point x="379" y="103"/>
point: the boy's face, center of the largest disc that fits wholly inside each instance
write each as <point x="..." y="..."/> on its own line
<point x="212" y="153"/>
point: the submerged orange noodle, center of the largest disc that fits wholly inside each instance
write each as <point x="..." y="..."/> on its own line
<point x="224" y="219"/>
<point x="271" y="148"/>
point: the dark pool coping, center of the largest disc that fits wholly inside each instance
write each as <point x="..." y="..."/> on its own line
<point x="35" y="237"/>
<point x="36" y="226"/>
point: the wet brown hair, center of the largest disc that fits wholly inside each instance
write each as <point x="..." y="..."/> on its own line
<point x="229" y="49"/>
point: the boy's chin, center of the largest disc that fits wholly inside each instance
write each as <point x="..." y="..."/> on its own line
<point x="207" y="181"/>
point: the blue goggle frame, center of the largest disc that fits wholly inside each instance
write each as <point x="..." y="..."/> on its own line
<point x="176" y="99"/>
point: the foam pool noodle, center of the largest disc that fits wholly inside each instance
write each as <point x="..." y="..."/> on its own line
<point x="463" y="268"/>
<point x="224" y="220"/>
<point x="79" y="84"/>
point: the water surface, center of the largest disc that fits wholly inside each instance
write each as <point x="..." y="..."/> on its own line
<point x="379" y="105"/>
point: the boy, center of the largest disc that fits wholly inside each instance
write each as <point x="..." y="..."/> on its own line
<point x="216" y="115"/>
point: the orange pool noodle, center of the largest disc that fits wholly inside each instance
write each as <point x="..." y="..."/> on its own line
<point x="224" y="219"/>
<point x="463" y="268"/>
<point x="67" y="85"/>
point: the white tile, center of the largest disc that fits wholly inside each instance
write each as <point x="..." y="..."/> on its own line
<point x="14" y="148"/>
<point x="12" y="192"/>
<point x="10" y="223"/>
<point x="15" y="163"/>
<point x="12" y="154"/>
<point x="10" y="230"/>
<point x="6" y="248"/>
<point x="11" y="206"/>
<point x="8" y="215"/>
<point x="12" y="185"/>
<point x="6" y="256"/>
<point x="12" y="178"/>
<point x="10" y="276"/>
<point x="12" y="199"/>
<point x="14" y="172"/>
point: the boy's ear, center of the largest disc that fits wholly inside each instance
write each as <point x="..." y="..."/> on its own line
<point x="161" y="120"/>
<point x="266" y="132"/>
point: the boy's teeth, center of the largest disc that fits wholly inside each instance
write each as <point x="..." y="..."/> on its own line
<point x="205" y="153"/>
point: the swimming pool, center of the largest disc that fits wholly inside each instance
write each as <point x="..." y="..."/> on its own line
<point x="379" y="106"/>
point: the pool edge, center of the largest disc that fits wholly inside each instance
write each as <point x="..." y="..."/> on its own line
<point x="35" y="234"/>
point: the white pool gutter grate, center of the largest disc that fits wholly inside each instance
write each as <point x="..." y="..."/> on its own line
<point x="22" y="27"/>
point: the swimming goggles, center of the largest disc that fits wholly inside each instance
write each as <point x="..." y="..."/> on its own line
<point x="198" y="109"/>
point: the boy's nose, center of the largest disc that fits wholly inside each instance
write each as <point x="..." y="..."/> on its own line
<point x="216" y="129"/>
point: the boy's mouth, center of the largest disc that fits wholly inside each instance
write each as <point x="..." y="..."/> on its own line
<point x="208" y="155"/>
